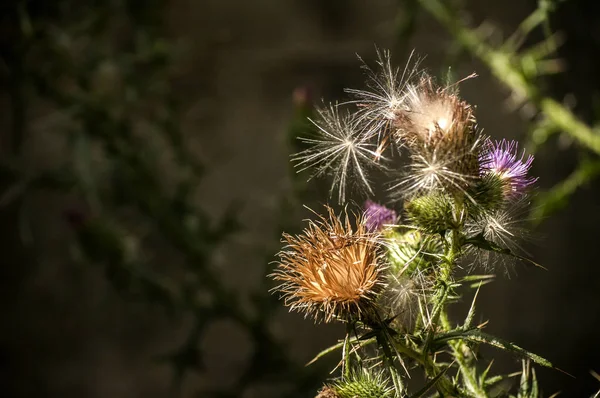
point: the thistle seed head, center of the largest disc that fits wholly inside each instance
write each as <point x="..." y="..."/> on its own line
<point x="331" y="270"/>
<point x="506" y="228"/>
<point x="340" y="148"/>
<point x="434" y="116"/>
<point x="385" y="96"/>
<point x="438" y="128"/>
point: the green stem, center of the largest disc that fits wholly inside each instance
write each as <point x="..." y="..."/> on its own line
<point x="388" y="358"/>
<point x="467" y="370"/>
<point x="346" y="353"/>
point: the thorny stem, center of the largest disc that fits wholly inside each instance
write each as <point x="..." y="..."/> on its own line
<point x="390" y="364"/>
<point x="467" y="370"/>
<point x="444" y="385"/>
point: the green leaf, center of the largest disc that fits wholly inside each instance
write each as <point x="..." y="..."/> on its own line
<point x="471" y="313"/>
<point x="429" y="384"/>
<point x="477" y="336"/>
<point x="477" y="278"/>
<point x="338" y="346"/>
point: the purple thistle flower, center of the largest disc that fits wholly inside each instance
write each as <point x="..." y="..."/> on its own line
<point x="502" y="159"/>
<point x="377" y="216"/>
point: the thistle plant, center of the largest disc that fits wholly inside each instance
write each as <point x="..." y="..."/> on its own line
<point x="390" y="272"/>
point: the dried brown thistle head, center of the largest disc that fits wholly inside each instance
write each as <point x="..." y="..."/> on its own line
<point x="331" y="270"/>
<point x="327" y="392"/>
<point x="433" y="116"/>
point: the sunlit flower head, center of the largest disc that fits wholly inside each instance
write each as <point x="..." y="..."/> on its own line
<point x="502" y="159"/>
<point x="434" y="116"/>
<point x="332" y="269"/>
<point x="340" y="148"/>
<point x="438" y="128"/>
<point x="377" y="216"/>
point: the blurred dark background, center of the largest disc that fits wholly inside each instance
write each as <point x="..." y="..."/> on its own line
<point x="145" y="181"/>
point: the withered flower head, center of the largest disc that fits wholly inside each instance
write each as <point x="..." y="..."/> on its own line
<point x="433" y="115"/>
<point x="327" y="392"/>
<point x="439" y="130"/>
<point x="331" y="269"/>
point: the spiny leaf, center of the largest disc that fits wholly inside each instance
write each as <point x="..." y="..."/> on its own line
<point x="477" y="278"/>
<point x="338" y="346"/>
<point x="471" y="313"/>
<point x="429" y="384"/>
<point x="481" y="242"/>
<point x="477" y="336"/>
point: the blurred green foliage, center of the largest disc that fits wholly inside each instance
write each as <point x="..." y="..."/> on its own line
<point x="105" y="70"/>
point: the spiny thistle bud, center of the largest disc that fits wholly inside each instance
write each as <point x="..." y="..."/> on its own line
<point x="331" y="270"/>
<point x="488" y="193"/>
<point x="433" y="213"/>
<point x="411" y="256"/>
<point x="411" y="252"/>
<point x="363" y="384"/>
<point x="500" y="158"/>
<point x="377" y="216"/>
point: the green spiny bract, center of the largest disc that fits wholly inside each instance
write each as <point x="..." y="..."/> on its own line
<point x="363" y="384"/>
<point x="432" y="213"/>
<point x="411" y="252"/>
<point x="488" y="194"/>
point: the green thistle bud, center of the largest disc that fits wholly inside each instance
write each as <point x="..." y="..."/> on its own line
<point x="411" y="252"/>
<point x="432" y="213"/>
<point x="488" y="193"/>
<point x="363" y="385"/>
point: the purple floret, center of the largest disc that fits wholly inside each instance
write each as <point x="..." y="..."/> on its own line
<point x="501" y="158"/>
<point x="377" y="216"/>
